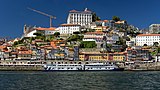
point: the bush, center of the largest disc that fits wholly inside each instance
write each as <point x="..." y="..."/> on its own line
<point x="88" y="44"/>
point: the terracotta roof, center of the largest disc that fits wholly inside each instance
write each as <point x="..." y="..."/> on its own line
<point x="119" y="53"/>
<point x="70" y="25"/>
<point x="94" y="33"/>
<point x="148" y="35"/>
<point x="48" y="47"/>
<point x="99" y="21"/>
<point x="14" y="52"/>
<point x="62" y="44"/>
<point x="119" y="22"/>
<point x="91" y="53"/>
<point x="105" y="20"/>
<point x="73" y="11"/>
<point x="51" y="28"/>
<point x="2" y="47"/>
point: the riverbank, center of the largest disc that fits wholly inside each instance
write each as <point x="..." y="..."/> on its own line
<point x="8" y="65"/>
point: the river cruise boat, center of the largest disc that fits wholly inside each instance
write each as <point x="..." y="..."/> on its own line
<point x="82" y="67"/>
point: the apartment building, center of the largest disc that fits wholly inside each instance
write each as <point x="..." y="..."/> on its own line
<point x="69" y="28"/>
<point x="148" y="39"/>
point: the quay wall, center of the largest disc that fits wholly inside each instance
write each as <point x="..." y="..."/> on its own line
<point x="21" y="68"/>
<point x="8" y="65"/>
<point x="155" y="66"/>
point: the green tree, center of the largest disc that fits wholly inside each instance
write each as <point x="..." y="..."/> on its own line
<point x="116" y="18"/>
<point x="38" y="34"/>
<point x="95" y="17"/>
<point x="56" y="34"/>
<point x="75" y="37"/>
<point x="77" y="32"/>
<point x="155" y="44"/>
<point x="158" y="49"/>
<point x="92" y="30"/>
<point x="88" y="44"/>
<point x="145" y="45"/>
<point x="17" y="42"/>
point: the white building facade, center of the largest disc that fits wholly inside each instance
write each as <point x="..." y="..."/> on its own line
<point x="148" y="39"/>
<point x="69" y="28"/>
<point x="83" y="18"/>
<point x="29" y="31"/>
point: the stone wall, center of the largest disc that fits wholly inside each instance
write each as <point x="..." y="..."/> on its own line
<point x="21" y="68"/>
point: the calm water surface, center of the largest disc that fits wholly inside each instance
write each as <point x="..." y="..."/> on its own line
<point x="102" y="80"/>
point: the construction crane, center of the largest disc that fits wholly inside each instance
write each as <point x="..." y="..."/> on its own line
<point x="50" y="16"/>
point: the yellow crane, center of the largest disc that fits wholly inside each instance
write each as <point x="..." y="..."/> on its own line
<point x="50" y="16"/>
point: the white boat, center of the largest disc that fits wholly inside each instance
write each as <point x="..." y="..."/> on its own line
<point x="100" y="67"/>
<point x="63" y="67"/>
<point x="80" y="67"/>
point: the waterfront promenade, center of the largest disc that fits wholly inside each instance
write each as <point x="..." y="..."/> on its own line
<point x="37" y="65"/>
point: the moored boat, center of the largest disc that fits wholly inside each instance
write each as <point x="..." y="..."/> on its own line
<point x="84" y="67"/>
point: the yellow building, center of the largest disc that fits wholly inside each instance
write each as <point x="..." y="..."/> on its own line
<point x="97" y="56"/>
<point x="118" y="56"/>
<point x="98" y="29"/>
<point x="81" y="57"/>
<point x="93" y="56"/>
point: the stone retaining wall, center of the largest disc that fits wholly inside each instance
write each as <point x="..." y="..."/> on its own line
<point x="21" y="68"/>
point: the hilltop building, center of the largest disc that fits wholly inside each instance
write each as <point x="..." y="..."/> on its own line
<point x="83" y="18"/>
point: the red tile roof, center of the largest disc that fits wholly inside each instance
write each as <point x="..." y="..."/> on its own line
<point x="148" y="35"/>
<point x="2" y="47"/>
<point x="51" y="28"/>
<point x="73" y="11"/>
<point x="94" y="33"/>
<point x="105" y="20"/>
<point x="70" y="25"/>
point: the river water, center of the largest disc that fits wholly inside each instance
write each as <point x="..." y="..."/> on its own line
<point x="98" y="80"/>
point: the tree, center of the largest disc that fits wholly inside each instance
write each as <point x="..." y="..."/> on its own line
<point x="95" y="17"/>
<point x="49" y="38"/>
<point x="116" y="18"/>
<point x="75" y="37"/>
<point x="158" y="50"/>
<point x="38" y="34"/>
<point x="77" y="32"/>
<point x="88" y="44"/>
<point x="18" y="42"/>
<point x="91" y="30"/>
<point x="15" y="43"/>
<point x="145" y="45"/>
<point x="155" y="44"/>
<point x="56" y="34"/>
<point x="127" y="38"/>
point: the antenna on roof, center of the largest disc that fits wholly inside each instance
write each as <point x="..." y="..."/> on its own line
<point x="85" y="9"/>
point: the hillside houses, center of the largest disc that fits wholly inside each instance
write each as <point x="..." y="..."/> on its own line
<point x="114" y="40"/>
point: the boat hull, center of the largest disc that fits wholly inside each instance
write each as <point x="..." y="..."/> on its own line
<point x="80" y="67"/>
